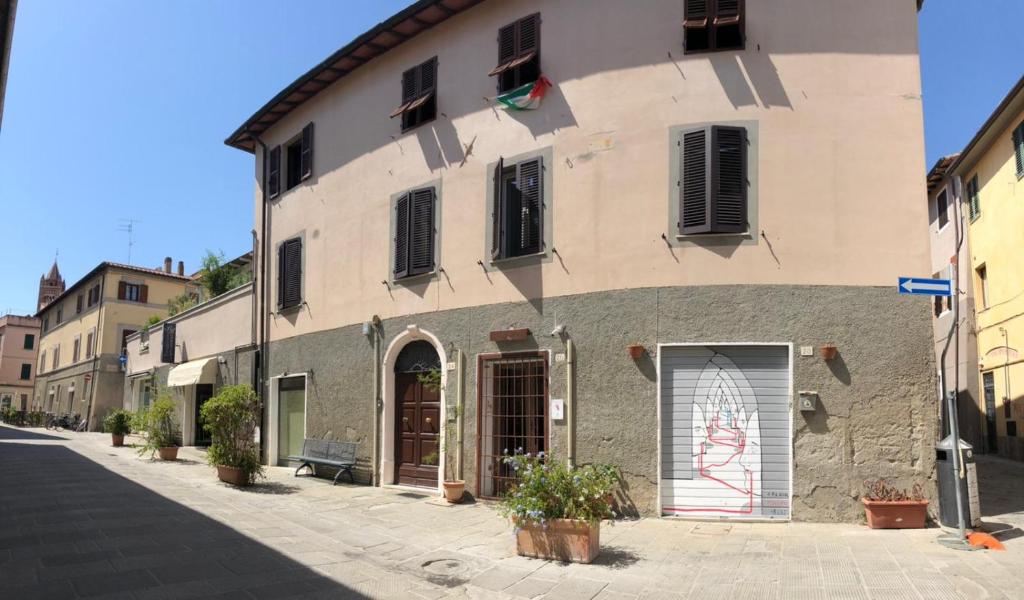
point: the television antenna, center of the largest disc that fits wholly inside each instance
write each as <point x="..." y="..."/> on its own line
<point x="128" y="226"/>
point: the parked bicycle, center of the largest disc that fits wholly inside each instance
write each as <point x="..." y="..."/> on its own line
<point x="65" y="421"/>
<point x="54" y="422"/>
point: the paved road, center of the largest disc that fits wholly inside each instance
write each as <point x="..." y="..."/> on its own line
<point x="79" y="519"/>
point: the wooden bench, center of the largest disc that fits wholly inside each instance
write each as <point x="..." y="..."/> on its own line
<point x="340" y="455"/>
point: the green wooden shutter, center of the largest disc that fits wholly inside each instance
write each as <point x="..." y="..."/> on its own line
<point x="306" y="153"/>
<point x="1018" y="149"/>
<point x="728" y="199"/>
<point x="168" y="343"/>
<point x="973" y="201"/>
<point x="401" y="245"/>
<point x="694" y="213"/>
<point x="529" y="177"/>
<point x="292" y="273"/>
<point x="274" y="172"/>
<point x="695" y="13"/>
<point x="497" y="213"/>
<point x="421" y="231"/>
<point x="528" y="36"/>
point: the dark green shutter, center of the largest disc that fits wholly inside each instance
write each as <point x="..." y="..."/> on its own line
<point x="973" y="202"/>
<point x="292" y="272"/>
<point x="421" y="231"/>
<point x="694" y="213"/>
<point x="529" y="175"/>
<point x="506" y="44"/>
<point x="274" y="172"/>
<point x="1018" y="149"/>
<point x="402" y="236"/>
<point x="306" y="152"/>
<point x="728" y="199"/>
<point x="497" y="213"/>
<point x="168" y="343"/>
<point x="528" y="38"/>
<point x="695" y="13"/>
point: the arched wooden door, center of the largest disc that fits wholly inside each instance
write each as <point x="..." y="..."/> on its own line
<point x="417" y="416"/>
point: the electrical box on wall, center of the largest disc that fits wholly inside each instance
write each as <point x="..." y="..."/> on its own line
<point x="808" y="401"/>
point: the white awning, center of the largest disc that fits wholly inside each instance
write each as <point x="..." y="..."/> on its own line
<point x="191" y="373"/>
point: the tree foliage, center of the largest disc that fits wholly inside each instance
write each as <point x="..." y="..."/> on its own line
<point x="218" y="277"/>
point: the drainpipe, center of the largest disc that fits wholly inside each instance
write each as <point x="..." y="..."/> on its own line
<point x="458" y="414"/>
<point x="261" y="364"/>
<point x="375" y="326"/>
<point x="570" y="401"/>
<point x="950" y="396"/>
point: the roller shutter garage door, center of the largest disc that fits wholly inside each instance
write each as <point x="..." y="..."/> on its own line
<point x="726" y="431"/>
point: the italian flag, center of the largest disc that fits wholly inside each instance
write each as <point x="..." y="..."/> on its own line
<point x="525" y="97"/>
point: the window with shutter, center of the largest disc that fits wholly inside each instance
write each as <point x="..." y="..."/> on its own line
<point x="290" y="274"/>
<point x="531" y="234"/>
<point x="973" y="201"/>
<point x="518" y="209"/>
<point x="712" y="25"/>
<point x="419" y="95"/>
<point x="1018" y="149"/>
<point x="518" y="54"/>
<point x="168" y="343"/>
<point x="415" y="229"/>
<point x="122" y="289"/>
<point x="293" y="163"/>
<point x="713" y="186"/>
<point x="942" y="209"/>
<point x="306" y="158"/>
<point x="402" y="236"/>
<point x="274" y="172"/>
<point x="78" y="304"/>
<point x="497" y="211"/>
<point x="90" y="344"/>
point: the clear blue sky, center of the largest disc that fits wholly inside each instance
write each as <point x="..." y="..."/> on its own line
<point x="119" y="108"/>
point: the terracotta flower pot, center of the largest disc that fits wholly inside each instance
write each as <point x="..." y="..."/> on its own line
<point x="117" y="440"/>
<point x="829" y="351"/>
<point x="453" y="491"/>
<point x="232" y="475"/>
<point x="168" y="453"/>
<point x="566" y="540"/>
<point x="895" y="514"/>
<point x="636" y="351"/>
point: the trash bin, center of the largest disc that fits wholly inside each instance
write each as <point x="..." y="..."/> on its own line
<point x="947" y="484"/>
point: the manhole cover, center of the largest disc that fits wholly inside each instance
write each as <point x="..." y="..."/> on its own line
<point x="444" y="566"/>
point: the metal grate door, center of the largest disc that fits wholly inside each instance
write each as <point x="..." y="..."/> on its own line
<point x="513" y="417"/>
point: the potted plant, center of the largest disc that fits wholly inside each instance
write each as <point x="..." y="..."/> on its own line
<point x="454" y="489"/>
<point x="162" y="434"/>
<point x="889" y="507"/>
<point x="557" y="510"/>
<point x="232" y="417"/>
<point x="118" y="423"/>
<point x="829" y="351"/>
<point x="636" y="351"/>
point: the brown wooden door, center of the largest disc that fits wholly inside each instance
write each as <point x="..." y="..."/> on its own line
<point x="417" y="427"/>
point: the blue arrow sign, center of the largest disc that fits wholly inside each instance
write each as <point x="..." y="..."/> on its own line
<point x="917" y="286"/>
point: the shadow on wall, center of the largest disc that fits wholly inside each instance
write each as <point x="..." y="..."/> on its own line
<point x="749" y="79"/>
<point x="149" y="534"/>
<point x="527" y="277"/>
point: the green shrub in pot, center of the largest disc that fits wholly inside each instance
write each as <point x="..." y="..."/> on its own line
<point x="159" y="425"/>
<point x="232" y="417"/>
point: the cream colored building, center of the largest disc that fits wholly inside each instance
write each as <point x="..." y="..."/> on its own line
<point x="724" y="193"/>
<point x="990" y="173"/>
<point x="84" y="332"/>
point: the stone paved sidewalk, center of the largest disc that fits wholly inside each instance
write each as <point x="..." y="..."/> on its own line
<point x="80" y="519"/>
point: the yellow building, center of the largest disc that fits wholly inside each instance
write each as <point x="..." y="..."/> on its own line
<point x="990" y="173"/>
<point x="84" y="330"/>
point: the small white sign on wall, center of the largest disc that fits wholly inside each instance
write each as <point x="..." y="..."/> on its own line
<point x="557" y="409"/>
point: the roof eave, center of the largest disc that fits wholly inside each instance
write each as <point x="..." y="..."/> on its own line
<point x="359" y="51"/>
<point x="966" y="159"/>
